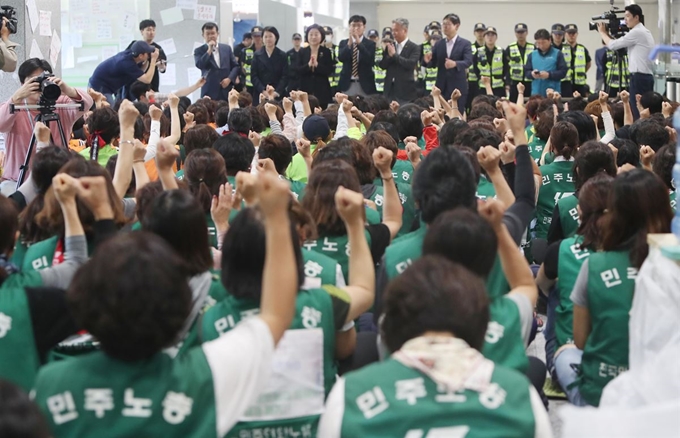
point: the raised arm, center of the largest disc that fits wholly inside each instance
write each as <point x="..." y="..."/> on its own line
<point x="148" y="76"/>
<point x="127" y="115"/>
<point x="382" y="159"/>
<point x="166" y="155"/>
<point x="489" y="158"/>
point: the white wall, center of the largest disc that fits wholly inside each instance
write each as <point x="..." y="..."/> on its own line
<point x="504" y="15"/>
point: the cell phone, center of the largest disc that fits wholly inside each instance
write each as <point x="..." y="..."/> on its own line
<point x="536" y="72"/>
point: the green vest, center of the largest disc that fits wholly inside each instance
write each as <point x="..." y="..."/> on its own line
<point x="516" y="62"/>
<point x="180" y="174"/>
<point x="430" y="72"/>
<point x="503" y="342"/>
<point x="403" y="251"/>
<point x="571" y="257"/>
<point x="95" y="395"/>
<point x="402" y="171"/>
<point x="577" y="75"/>
<point x="19" y="361"/>
<point x="335" y="247"/>
<point x="535" y="147"/>
<point x="569" y="217"/>
<point x="247" y="65"/>
<point x="485" y="188"/>
<point x="294" y="396"/>
<point x="319" y="266"/>
<point x="673" y="201"/>
<point x="298" y="189"/>
<point x="611" y="284"/>
<point x="389" y="399"/>
<point x="372" y="216"/>
<point x="492" y="68"/>
<point x="335" y="78"/>
<point x="105" y="153"/>
<point x="613" y="77"/>
<point x="408" y="205"/>
<point x="40" y="255"/>
<point x="472" y="76"/>
<point x="558" y="183"/>
<point x="380" y="74"/>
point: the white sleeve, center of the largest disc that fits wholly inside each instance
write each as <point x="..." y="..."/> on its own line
<point x="343" y="125"/>
<point x="154" y="138"/>
<point x="330" y="424"/>
<point x="628" y="40"/>
<point x="240" y="362"/>
<point x="339" y="277"/>
<point x="299" y="113"/>
<point x="526" y="314"/>
<point x="541" y="419"/>
<point x="610" y="130"/>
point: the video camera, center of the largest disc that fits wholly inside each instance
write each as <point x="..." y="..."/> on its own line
<point x="616" y="26"/>
<point x="49" y="91"/>
<point x="10" y="14"/>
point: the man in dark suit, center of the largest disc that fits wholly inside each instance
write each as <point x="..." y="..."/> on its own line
<point x="357" y="55"/>
<point x="400" y="58"/>
<point x="452" y="56"/>
<point x="217" y="64"/>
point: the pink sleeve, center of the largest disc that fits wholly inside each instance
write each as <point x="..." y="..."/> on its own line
<point x="6" y="119"/>
<point x="289" y="126"/>
<point x="70" y="115"/>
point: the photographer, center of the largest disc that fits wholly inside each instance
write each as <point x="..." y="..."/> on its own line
<point x="8" y="54"/>
<point x="18" y="127"/>
<point x="639" y="42"/>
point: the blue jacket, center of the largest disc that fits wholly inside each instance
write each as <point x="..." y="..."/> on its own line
<point x="553" y="62"/>
<point x="600" y="60"/>
<point x="213" y="75"/>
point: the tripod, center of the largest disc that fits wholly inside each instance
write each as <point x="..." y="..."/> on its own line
<point x="617" y="64"/>
<point x="46" y="115"/>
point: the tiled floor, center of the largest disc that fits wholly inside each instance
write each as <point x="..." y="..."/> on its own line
<point x="537" y="349"/>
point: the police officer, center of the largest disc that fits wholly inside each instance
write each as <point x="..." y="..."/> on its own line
<point x="557" y="34"/>
<point x="431" y="73"/>
<point x="335" y="77"/>
<point x="490" y="62"/>
<point x="578" y="63"/>
<point x="249" y="53"/>
<point x="615" y="70"/>
<point x="473" y="79"/>
<point x="293" y="80"/>
<point x="378" y="72"/>
<point x="426" y="48"/>
<point x="516" y="55"/>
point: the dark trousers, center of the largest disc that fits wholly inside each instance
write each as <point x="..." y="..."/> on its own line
<point x="514" y="93"/>
<point x="567" y="89"/>
<point x="473" y="91"/>
<point x="640" y="83"/>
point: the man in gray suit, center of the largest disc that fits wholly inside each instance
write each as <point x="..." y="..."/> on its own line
<point x="400" y="58"/>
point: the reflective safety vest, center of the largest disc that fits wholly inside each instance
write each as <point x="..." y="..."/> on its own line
<point x="247" y="62"/>
<point x="613" y="77"/>
<point x="472" y="76"/>
<point x="577" y="75"/>
<point x="516" y="62"/>
<point x="430" y="73"/>
<point x="493" y="69"/>
<point x="379" y="73"/>
<point x="335" y="78"/>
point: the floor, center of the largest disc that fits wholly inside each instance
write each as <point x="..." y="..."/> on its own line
<point x="537" y="349"/>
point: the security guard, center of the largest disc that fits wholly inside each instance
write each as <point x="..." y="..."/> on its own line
<point x="516" y="55"/>
<point x="557" y="33"/>
<point x="249" y="53"/>
<point x="431" y="73"/>
<point x="293" y="79"/>
<point x="378" y="72"/>
<point x="578" y="63"/>
<point x="616" y="74"/>
<point x="426" y="48"/>
<point x="335" y="77"/>
<point x="490" y="62"/>
<point x="473" y="79"/>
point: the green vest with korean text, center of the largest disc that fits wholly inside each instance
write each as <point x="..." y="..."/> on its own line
<point x="389" y="399"/>
<point x="319" y="267"/>
<point x="571" y="257"/>
<point x="558" y="183"/>
<point x="485" y="188"/>
<point x="569" y="217"/>
<point x="611" y="284"/>
<point x="503" y="342"/>
<point x="335" y="247"/>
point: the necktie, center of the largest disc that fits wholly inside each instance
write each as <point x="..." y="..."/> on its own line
<point x="355" y="60"/>
<point x="398" y="48"/>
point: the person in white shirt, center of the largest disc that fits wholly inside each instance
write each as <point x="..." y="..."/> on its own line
<point x="639" y="42"/>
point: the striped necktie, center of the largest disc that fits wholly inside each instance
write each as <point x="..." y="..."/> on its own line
<point x="355" y="60"/>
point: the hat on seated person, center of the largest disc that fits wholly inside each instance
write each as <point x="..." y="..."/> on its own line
<point x="315" y="127"/>
<point x="139" y="47"/>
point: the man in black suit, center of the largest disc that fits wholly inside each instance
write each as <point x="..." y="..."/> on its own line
<point x="400" y="60"/>
<point x="357" y="55"/>
<point x="217" y="64"/>
<point x="452" y="56"/>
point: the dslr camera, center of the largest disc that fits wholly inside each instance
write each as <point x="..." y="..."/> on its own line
<point x="10" y="14"/>
<point x="49" y="91"/>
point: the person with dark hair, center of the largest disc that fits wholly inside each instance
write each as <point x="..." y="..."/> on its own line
<point x="240" y="121"/>
<point x="357" y="55"/>
<point x="246" y="42"/>
<point x="317" y="132"/>
<point x="277" y="148"/>
<point x="436" y="319"/>
<point x="323" y="325"/>
<point x="477" y="138"/>
<point x="18" y="128"/>
<point x="148" y="30"/>
<point x="489" y="64"/>
<point x="115" y="75"/>
<point x="315" y="66"/>
<point x="639" y="42"/>
<point x="628" y="152"/>
<point x="563" y="259"/>
<point x="603" y="292"/>
<point x="484" y="109"/>
<point x="199" y="137"/>
<point x="649" y="132"/>
<point x="583" y="123"/>
<point x="410" y="124"/>
<point x="558" y="176"/>
<point x="652" y="101"/>
<point x="591" y="159"/>
<point x="103" y="127"/>
<point x="237" y="152"/>
<point x="134" y="317"/>
<point x="292" y="54"/>
<point x="451" y="130"/>
<point x="217" y="64"/>
<point x="516" y="55"/>
<point x="545" y="66"/>
<point x="663" y="163"/>
<point x="19" y="415"/>
<point x="269" y="66"/>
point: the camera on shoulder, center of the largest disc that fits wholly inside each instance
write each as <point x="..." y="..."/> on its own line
<point x="10" y="14"/>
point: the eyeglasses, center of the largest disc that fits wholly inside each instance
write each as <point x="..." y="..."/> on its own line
<point x="357" y="25"/>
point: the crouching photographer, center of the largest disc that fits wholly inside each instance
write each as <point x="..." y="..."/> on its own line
<point x="639" y="42"/>
<point x="38" y="91"/>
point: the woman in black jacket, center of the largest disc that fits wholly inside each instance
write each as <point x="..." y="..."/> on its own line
<point x="314" y="66"/>
<point x="270" y="66"/>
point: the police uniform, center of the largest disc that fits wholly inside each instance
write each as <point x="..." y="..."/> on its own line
<point x="473" y="79"/>
<point x="425" y="48"/>
<point x="431" y="72"/>
<point x="516" y="57"/>
<point x="490" y="63"/>
<point x="577" y="59"/>
<point x="335" y="50"/>
<point x="247" y="61"/>
<point x="378" y="72"/>
<point x="293" y="79"/>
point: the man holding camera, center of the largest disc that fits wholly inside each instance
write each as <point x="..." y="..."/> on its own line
<point x="8" y="54"/>
<point x="148" y="30"/>
<point x="18" y="127"/>
<point x="639" y="42"/>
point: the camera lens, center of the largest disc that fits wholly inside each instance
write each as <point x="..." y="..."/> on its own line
<point x="50" y="90"/>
